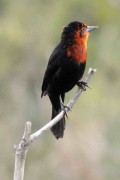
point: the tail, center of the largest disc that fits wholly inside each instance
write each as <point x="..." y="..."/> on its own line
<point x="59" y="127"/>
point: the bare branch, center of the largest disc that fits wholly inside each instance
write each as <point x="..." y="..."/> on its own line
<point x="27" y="139"/>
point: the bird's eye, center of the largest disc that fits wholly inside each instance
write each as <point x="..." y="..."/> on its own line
<point x="83" y="28"/>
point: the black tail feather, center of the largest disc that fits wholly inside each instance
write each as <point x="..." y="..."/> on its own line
<point x="59" y="127"/>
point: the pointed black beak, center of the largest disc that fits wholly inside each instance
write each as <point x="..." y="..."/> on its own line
<point x="91" y="28"/>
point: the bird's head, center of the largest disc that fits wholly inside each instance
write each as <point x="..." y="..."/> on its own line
<point x="77" y="31"/>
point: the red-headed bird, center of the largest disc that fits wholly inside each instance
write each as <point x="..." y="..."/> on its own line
<point x="65" y="68"/>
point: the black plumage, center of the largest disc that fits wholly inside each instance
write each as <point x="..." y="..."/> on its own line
<point x="65" y="68"/>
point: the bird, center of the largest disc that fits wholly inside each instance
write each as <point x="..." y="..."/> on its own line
<point x="65" y="68"/>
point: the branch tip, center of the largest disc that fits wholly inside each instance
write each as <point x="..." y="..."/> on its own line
<point x="92" y="70"/>
<point x="27" y="130"/>
<point x="29" y="123"/>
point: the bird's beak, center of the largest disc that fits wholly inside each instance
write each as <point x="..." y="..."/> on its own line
<point x="91" y="28"/>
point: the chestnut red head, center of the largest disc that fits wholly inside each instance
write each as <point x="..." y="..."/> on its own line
<point x="78" y="29"/>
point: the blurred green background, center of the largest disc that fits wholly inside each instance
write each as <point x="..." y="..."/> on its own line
<point x="29" y="31"/>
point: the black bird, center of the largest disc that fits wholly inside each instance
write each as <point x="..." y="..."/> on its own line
<point x="65" y="68"/>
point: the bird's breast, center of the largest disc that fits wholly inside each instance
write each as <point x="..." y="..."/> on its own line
<point x="78" y="53"/>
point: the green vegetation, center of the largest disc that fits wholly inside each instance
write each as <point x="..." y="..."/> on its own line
<point x="29" y="31"/>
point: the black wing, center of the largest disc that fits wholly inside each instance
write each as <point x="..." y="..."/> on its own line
<point x="53" y="67"/>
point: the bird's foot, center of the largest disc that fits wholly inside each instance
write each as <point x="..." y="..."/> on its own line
<point x="83" y="85"/>
<point x="64" y="107"/>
